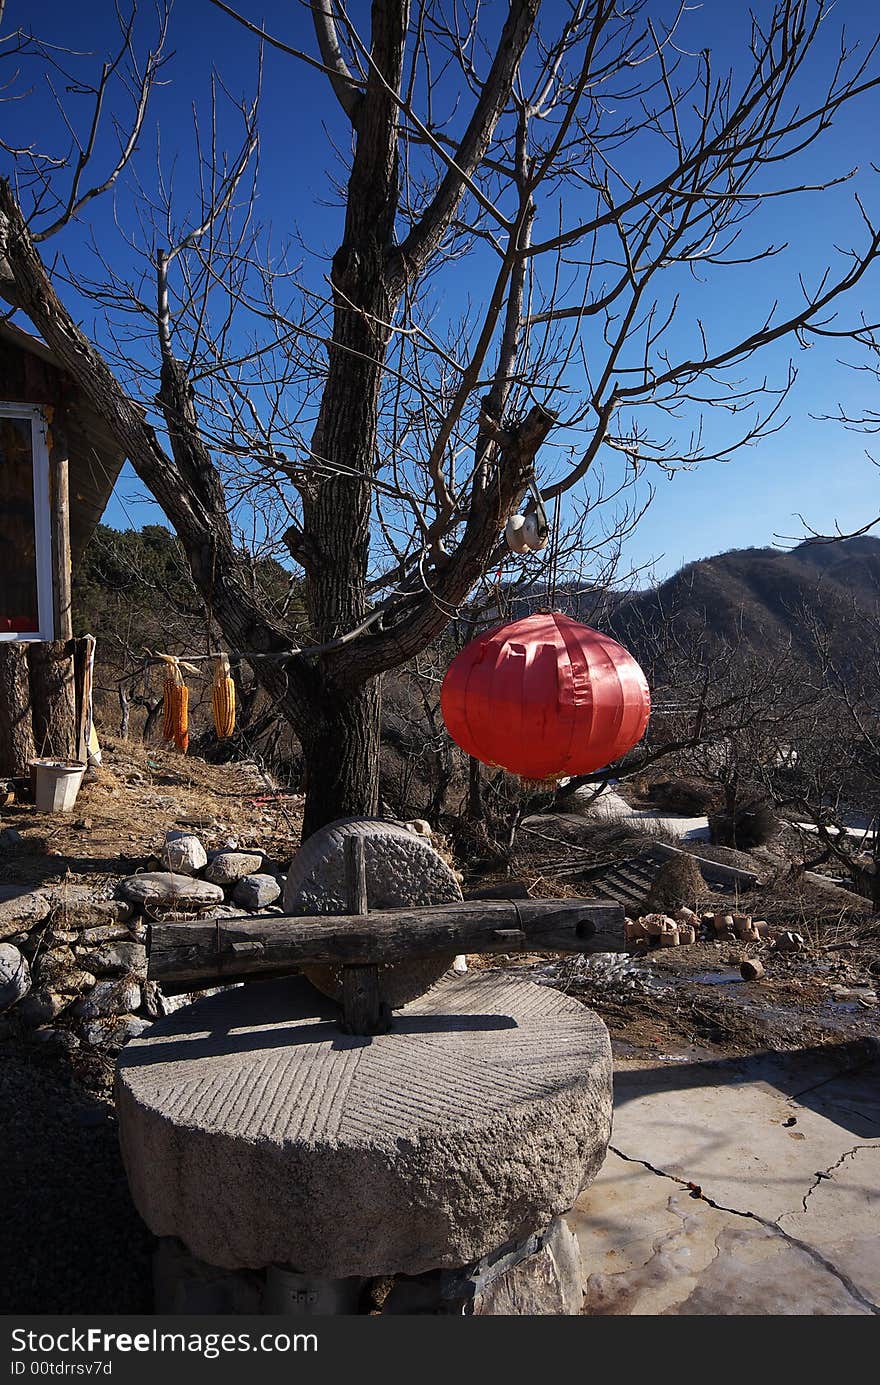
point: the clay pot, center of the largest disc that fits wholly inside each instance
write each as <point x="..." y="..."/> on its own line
<point x="652" y="924"/>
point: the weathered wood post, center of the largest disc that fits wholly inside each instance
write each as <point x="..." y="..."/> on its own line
<point x="362" y="1008"/>
<point x="59" y="491"/>
<point x="16" y="728"/>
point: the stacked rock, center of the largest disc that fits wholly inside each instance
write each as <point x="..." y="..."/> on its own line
<point x="75" y="952"/>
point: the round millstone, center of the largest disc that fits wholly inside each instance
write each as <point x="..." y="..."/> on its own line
<point x="401" y="869"/>
<point x="257" y="1133"/>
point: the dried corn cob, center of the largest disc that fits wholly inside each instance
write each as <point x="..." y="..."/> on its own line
<point x="223" y="698"/>
<point x="175" y="695"/>
<point x="181" y="720"/>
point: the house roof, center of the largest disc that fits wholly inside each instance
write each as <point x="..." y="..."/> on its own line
<point x="30" y="373"/>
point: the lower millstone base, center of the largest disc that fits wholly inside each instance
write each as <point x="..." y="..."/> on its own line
<point x="257" y="1133"/>
<point x="542" y="1276"/>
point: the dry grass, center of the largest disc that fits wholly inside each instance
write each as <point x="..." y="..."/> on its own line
<point x="125" y="808"/>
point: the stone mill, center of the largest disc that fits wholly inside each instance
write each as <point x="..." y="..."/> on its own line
<point x="352" y="1127"/>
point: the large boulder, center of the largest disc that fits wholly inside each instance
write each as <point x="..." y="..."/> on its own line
<point x="401" y="869"/>
<point x="169" y="890"/>
<point x="183" y="853"/>
<point x="15" y="976"/>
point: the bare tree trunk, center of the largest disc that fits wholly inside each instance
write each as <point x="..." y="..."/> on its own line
<point x="342" y="752"/>
<point x="16" y="729"/>
<point x="341" y="756"/>
<point x="476" y="811"/>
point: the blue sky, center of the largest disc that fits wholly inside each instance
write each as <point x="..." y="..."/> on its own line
<point x="814" y="468"/>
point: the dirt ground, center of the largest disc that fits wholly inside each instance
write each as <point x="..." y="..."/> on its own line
<point x="70" y="1239"/>
<point x="126" y="806"/>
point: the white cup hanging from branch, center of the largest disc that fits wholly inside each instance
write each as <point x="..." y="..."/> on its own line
<point x="529" y="531"/>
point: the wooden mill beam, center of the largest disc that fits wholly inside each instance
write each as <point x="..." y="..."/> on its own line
<point x="192" y="956"/>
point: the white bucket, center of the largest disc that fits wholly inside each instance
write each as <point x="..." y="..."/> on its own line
<point x="57" y="784"/>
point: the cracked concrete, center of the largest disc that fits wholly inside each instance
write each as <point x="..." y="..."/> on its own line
<point x="747" y="1186"/>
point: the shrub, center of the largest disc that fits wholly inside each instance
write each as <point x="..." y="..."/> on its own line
<point x="749" y="825"/>
<point x="688" y="796"/>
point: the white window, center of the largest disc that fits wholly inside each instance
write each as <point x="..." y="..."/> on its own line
<point x="26" y="604"/>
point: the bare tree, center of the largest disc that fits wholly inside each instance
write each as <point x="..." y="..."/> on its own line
<point x="836" y="790"/>
<point x="371" y="415"/>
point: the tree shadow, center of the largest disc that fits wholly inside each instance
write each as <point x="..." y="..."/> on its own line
<point x="842" y="1078"/>
<point x="275" y="1014"/>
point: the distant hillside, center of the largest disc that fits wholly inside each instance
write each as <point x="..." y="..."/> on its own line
<point x="761" y="596"/>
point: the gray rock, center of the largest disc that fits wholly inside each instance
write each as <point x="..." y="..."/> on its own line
<point x="117" y="958"/>
<point x="54" y="962"/>
<point x="183" y="853"/>
<point x="61" y="970"/>
<point x="63" y="936"/>
<point x="477" y="1120"/>
<point x="10" y="838"/>
<point x="21" y="908"/>
<point x="548" y="1283"/>
<point x="184" y="1284"/>
<point x="40" y="1007"/>
<point x="256" y="891"/>
<point x="166" y="888"/>
<point x="150" y="998"/>
<point x="15" y="976"/>
<point x="228" y="867"/>
<point x="60" y="1039"/>
<point x="109" y="998"/>
<point x="104" y="933"/>
<point x="170" y="1004"/>
<point x="70" y="981"/>
<point x="115" y="1030"/>
<point x="401" y="869"/>
<point x="81" y="906"/>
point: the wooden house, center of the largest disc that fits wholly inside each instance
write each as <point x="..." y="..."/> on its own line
<point x="58" y="466"/>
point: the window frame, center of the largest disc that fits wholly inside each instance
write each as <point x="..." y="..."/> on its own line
<point x="42" y="522"/>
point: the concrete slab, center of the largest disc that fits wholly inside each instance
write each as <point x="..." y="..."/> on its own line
<point x="656" y="1250"/>
<point x="748" y="1186"/>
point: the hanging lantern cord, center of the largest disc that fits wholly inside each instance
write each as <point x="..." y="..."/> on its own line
<point x="540" y="512"/>
<point x="553" y="563"/>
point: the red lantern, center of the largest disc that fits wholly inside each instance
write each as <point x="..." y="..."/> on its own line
<point x="545" y="697"/>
